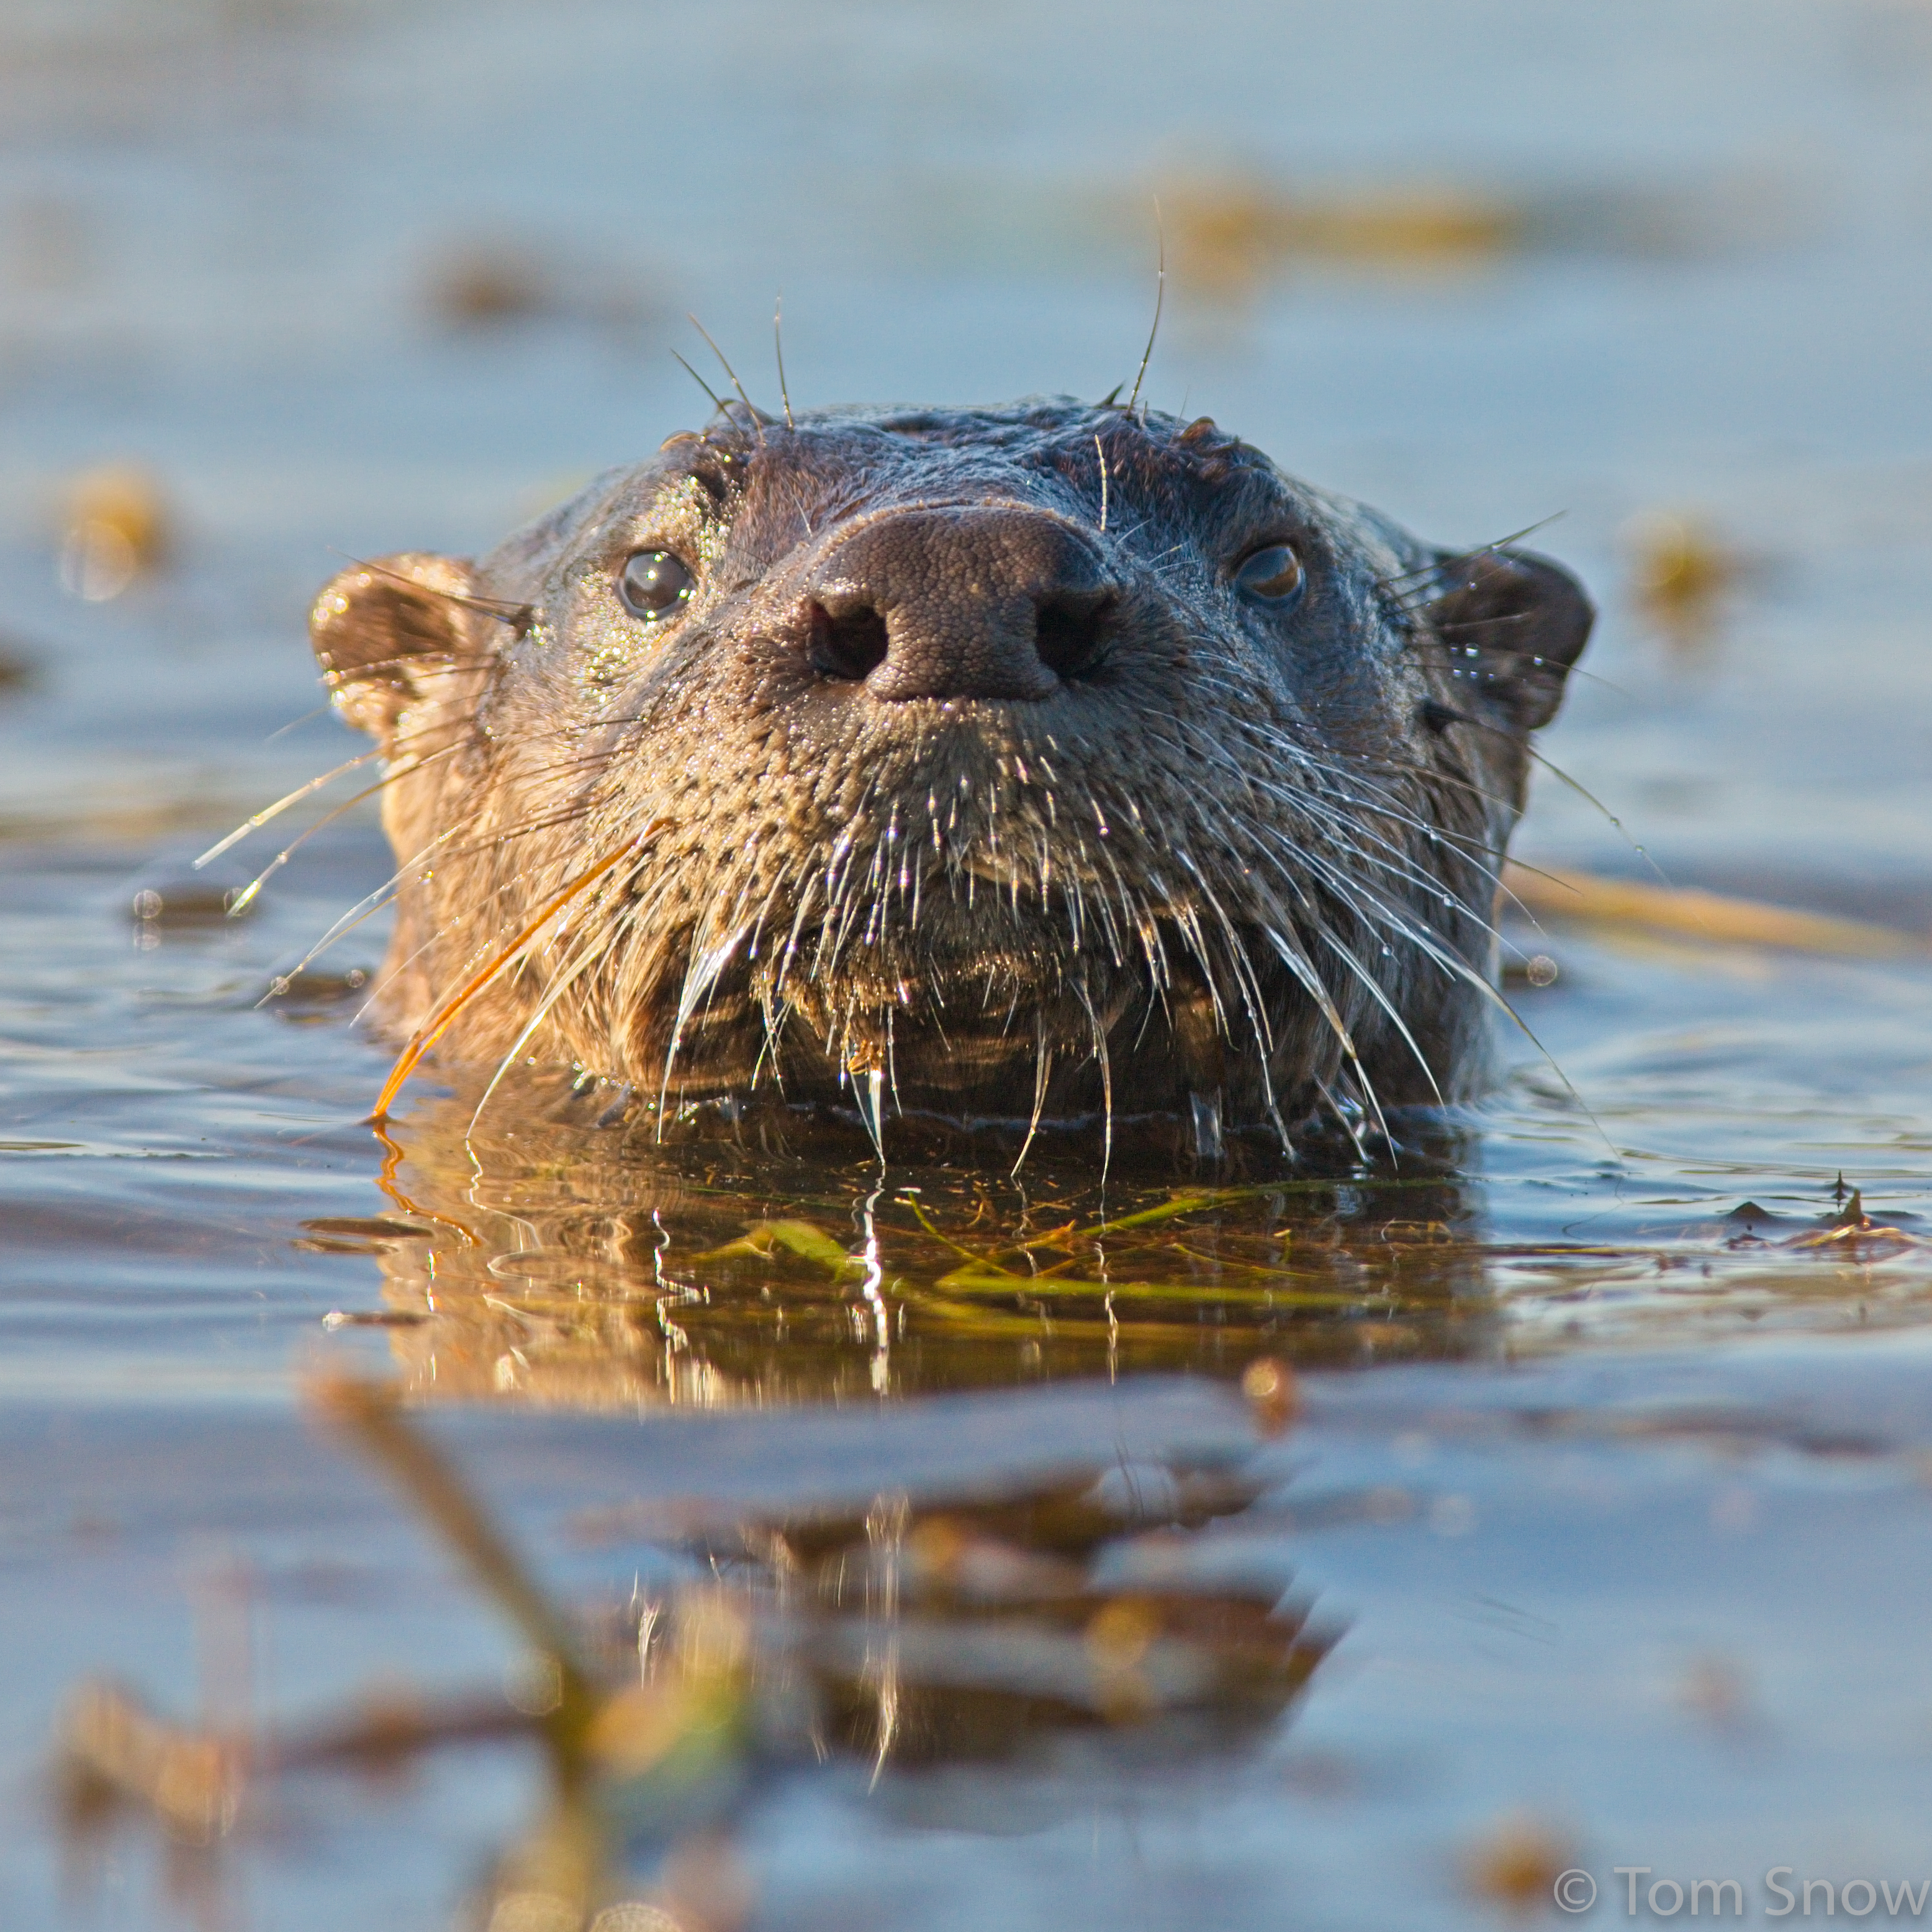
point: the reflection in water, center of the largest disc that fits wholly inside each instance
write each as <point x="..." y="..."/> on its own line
<point x="566" y="1256"/>
<point x="1058" y="1630"/>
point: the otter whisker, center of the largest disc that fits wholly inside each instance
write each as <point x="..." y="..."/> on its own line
<point x="502" y="610"/>
<point x="1100" y="1055"/>
<point x="1305" y="803"/>
<point x="1251" y="995"/>
<point x="699" y="979"/>
<point x="776" y="1017"/>
<point x="365" y="907"/>
<point x="1381" y="999"/>
<point x="892" y="1068"/>
<point x="717" y="401"/>
<point x="1389" y="859"/>
<point x="1303" y="968"/>
<point x="757" y="414"/>
<point x="281" y="806"/>
<point x="1043" y="1069"/>
<point x="1349" y="1126"/>
<point x="1305" y="971"/>
<point x="1160" y="298"/>
<point x="811" y="888"/>
<point x="244" y="899"/>
<point x="1452" y="558"/>
<point x="587" y="958"/>
<point x="281" y="731"/>
<point x="1396" y="858"/>
<point x="439" y="1021"/>
<point x="777" y="345"/>
<point x="1557" y="772"/>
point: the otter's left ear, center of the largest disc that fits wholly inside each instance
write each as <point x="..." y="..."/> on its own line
<point x="1513" y="623"/>
<point x="383" y="630"/>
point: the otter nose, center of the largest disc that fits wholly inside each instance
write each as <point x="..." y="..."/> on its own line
<point x="967" y="601"/>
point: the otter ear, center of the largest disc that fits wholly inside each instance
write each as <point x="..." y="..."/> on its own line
<point x="381" y="630"/>
<point x="1513" y="623"/>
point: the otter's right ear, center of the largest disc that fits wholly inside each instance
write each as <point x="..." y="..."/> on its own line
<point x="382" y="631"/>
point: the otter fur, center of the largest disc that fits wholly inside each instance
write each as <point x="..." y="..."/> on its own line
<point x="1052" y="761"/>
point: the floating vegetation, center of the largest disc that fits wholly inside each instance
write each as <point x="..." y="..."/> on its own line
<point x="1229" y="233"/>
<point x="1680" y="572"/>
<point x="1517" y="1862"/>
<point x="495" y="283"/>
<point x="19" y="667"/>
<point x="762" y="1260"/>
<point x="116" y="527"/>
<point x="1687" y="913"/>
<point x="1235" y="230"/>
<point x="173" y="899"/>
<point x="571" y="1263"/>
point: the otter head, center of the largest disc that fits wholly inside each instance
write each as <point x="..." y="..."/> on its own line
<point x="1048" y="759"/>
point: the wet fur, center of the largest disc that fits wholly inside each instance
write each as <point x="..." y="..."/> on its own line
<point x="1249" y="862"/>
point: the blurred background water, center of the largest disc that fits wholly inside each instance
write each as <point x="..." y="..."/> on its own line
<point x="285" y="280"/>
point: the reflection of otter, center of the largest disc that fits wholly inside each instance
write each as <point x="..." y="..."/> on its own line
<point x="1068" y="1628"/>
<point x="1034" y="763"/>
<point x="555" y="1261"/>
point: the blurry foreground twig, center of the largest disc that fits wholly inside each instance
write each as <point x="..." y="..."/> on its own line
<point x="1691" y="914"/>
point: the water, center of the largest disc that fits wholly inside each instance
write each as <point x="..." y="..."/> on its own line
<point x="1613" y="1498"/>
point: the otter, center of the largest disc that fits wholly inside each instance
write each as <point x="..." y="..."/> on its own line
<point x="1053" y="761"/>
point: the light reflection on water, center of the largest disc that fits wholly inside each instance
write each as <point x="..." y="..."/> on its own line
<point x="1659" y="269"/>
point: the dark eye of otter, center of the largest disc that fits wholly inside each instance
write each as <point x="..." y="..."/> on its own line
<point x="655" y="585"/>
<point x="1271" y="576"/>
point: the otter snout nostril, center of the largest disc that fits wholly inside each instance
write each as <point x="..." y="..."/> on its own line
<point x="1071" y="633"/>
<point x="970" y="600"/>
<point x="852" y="645"/>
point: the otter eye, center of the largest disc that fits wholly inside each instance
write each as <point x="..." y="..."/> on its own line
<point x="1270" y="576"/>
<point x="655" y="585"/>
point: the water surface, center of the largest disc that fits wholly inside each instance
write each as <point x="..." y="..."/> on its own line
<point x="1607" y="1498"/>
